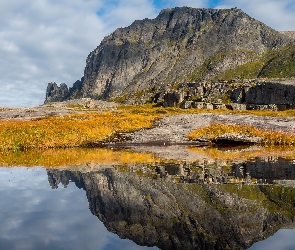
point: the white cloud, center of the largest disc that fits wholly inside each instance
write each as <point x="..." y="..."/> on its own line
<point x="44" y="41"/>
<point x="122" y="13"/>
<point x="276" y="14"/>
<point x="222" y="6"/>
<point x="189" y="3"/>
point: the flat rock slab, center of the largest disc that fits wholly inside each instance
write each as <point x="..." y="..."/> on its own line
<point x="174" y="129"/>
<point x="77" y="106"/>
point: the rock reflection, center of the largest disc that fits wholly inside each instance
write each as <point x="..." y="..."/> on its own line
<point x="190" y="205"/>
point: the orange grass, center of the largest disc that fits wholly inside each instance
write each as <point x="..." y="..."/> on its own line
<point x="95" y="128"/>
<point x="69" y="131"/>
<point x="269" y="137"/>
<point x="150" y="109"/>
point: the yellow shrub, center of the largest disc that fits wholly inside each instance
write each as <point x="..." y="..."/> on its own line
<point x="269" y="137"/>
<point x="69" y="131"/>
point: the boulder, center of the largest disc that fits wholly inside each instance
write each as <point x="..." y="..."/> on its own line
<point x="171" y="99"/>
<point x="188" y="104"/>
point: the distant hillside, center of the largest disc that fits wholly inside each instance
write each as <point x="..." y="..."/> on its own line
<point x="180" y="45"/>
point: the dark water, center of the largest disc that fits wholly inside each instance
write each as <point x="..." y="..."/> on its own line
<point x="166" y="206"/>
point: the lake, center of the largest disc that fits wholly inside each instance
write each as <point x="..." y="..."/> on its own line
<point x="194" y="198"/>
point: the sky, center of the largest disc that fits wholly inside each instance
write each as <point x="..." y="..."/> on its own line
<point x="46" y="41"/>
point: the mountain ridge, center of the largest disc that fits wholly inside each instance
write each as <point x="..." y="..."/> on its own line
<point x="180" y="45"/>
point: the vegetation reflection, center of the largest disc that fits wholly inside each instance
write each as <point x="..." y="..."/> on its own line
<point x="72" y="157"/>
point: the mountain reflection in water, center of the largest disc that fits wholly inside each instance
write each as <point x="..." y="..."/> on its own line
<point x="201" y="205"/>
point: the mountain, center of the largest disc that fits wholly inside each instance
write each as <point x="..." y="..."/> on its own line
<point x="181" y="45"/>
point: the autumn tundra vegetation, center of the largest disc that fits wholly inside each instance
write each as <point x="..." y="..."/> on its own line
<point x="93" y="128"/>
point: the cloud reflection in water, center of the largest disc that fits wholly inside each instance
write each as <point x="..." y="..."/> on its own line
<point x="34" y="216"/>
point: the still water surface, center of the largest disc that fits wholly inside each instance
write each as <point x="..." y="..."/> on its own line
<point x="35" y="216"/>
<point x="166" y="205"/>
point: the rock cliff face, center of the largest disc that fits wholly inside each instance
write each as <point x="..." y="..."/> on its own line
<point x="179" y="45"/>
<point x="56" y="93"/>
<point x="274" y="94"/>
<point x="148" y="205"/>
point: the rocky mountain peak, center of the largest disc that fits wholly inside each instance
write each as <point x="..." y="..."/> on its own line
<point x="180" y="45"/>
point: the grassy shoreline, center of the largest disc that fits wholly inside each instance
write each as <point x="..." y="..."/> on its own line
<point x="80" y="130"/>
<point x="268" y="137"/>
<point x="95" y="128"/>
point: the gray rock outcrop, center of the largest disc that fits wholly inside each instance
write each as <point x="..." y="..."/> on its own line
<point x="257" y="94"/>
<point x="271" y="92"/>
<point x="56" y="93"/>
